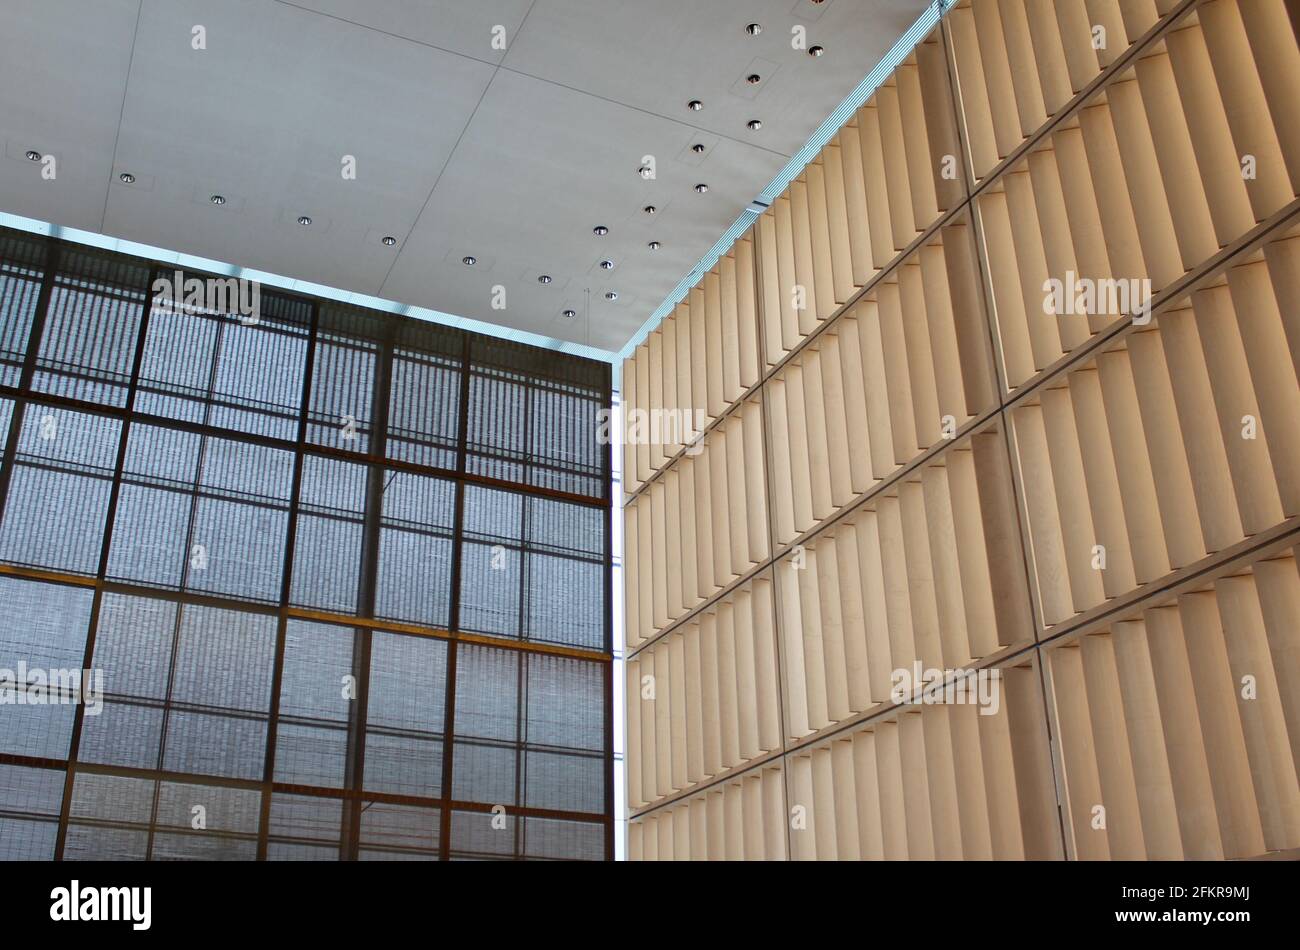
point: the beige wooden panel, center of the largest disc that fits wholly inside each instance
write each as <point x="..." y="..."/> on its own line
<point x="738" y="504"/>
<point x="709" y="694"/>
<point x="879" y="213"/>
<point x="664" y="829"/>
<point x="1150" y="377"/>
<point x="898" y="609"/>
<point x="1263" y="721"/>
<point x="819" y="450"/>
<point x="1049" y="54"/>
<point x="1079" y="755"/>
<point x="838" y="434"/>
<point x="731" y="388"/>
<point x="746" y="681"/>
<point x="968" y="774"/>
<point x="635" y="841"/>
<point x="1176" y="156"/>
<point x="857" y="441"/>
<point x="976" y="109"/>
<point x="1216" y="699"/>
<point x="672" y="550"/>
<point x="879" y="429"/>
<point x="813" y="661"/>
<point x="1016" y="344"/>
<point x="920" y="163"/>
<point x="820" y="232"/>
<point x="1048" y="547"/>
<point x="632" y="726"/>
<point x="941" y="777"/>
<point x="698" y="817"/>
<point x="857" y="673"/>
<point x="644" y="564"/>
<point x="676" y="649"/>
<point x="838" y="223"/>
<point x="642" y="389"/>
<point x="855" y="197"/>
<point x="685" y="398"/>
<point x="948" y="593"/>
<point x="1082" y="210"/>
<point x="1132" y="155"/>
<point x="1105" y="496"/>
<point x="766" y="697"/>
<point x="655" y="347"/>
<point x="976" y="586"/>
<point x="681" y="833"/>
<point x="694" y="709"/>
<point x="671" y="434"/>
<point x="1002" y="537"/>
<point x="1133" y="467"/>
<point x="1258" y="501"/>
<point x="752" y="797"/>
<point x="803" y="806"/>
<point x="787" y="277"/>
<point x="866" y="785"/>
<point x="686" y="485"/>
<point x="1021" y="57"/>
<point x="631" y="477"/>
<point x="663" y="723"/>
<point x="1058" y="245"/>
<point x="649" y="754"/>
<point x="773" y="297"/>
<point x="825" y="832"/>
<point x="889" y="774"/>
<point x="1273" y="42"/>
<point x="902" y="416"/>
<point x="920" y="354"/>
<point x="879" y="659"/>
<point x="783" y="529"/>
<point x="700" y="384"/>
<point x="1272" y="373"/>
<point x="920" y="575"/>
<point x="1142" y="715"/>
<point x="775" y="815"/>
<point x="755" y="488"/>
<point x="733" y="807"/>
<point x="997" y="77"/>
<point x="997" y="756"/>
<point x="797" y="421"/>
<point x="717" y="827"/>
<point x="1194" y="397"/>
<point x="916" y="786"/>
<point x="718" y="506"/>
<point x="747" y="312"/>
<point x="965" y="293"/>
<point x="946" y="169"/>
<point x="793" y="681"/>
<point x="832" y="629"/>
<point x="846" y="804"/>
<point x="805" y="276"/>
<point x="631" y="607"/>
<point x="1022" y="696"/>
<point x="1035" y="271"/>
<point x="892" y="137"/>
<point x="1074" y="515"/>
<point x="1278" y="584"/>
<point x="946" y="362"/>
<point x="1139" y="16"/>
<point x="1108" y="15"/>
<point x="658" y="544"/>
<point x="713" y="343"/>
<point x="728" y="702"/>
<point x="1077" y="41"/>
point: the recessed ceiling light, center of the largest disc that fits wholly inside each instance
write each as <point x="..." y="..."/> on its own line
<point x="304" y="220"/>
<point x="544" y="279"/>
<point x="649" y="209"/>
<point x="701" y="188"/>
<point x="570" y="314"/>
<point x="754" y="124"/>
<point x="389" y="240"/>
<point x="754" y="29"/>
<point x="815" y="51"/>
<point x="606" y="265"/>
<point x="600" y="230"/>
<point x="654" y="245"/>
<point x="645" y="172"/>
<point x="695" y="105"/>
<point x="33" y="155"/>
<point x="126" y="178"/>
<point x="218" y="199"/>
<point x="753" y="79"/>
<point x="698" y="147"/>
<point x="469" y="259"/>
<point x="612" y="295"/>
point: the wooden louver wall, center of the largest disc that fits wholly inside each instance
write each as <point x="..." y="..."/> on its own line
<point x="909" y="458"/>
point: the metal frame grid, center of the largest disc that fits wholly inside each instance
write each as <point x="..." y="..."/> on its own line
<point x="358" y="479"/>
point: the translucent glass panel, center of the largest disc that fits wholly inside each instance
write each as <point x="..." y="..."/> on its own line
<point x="88" y="344"/>
<point x="44" y="631"/>
<point x="317" y="689"/>
<point x="202" y="513"/>
<point x="533" y="568"/>
<point x="187" y="689"/>
<point x="415" y="542"/>
<point x="342" y="392"/>
<point x="424" y="409"/>
<point x="331" y="526"/>
<point x="30" y="802"/>
<point x="221" y="370"/>
<point x="404" y="717"/>
<point x="21" y="271"/>
<point x="59" y="490"/>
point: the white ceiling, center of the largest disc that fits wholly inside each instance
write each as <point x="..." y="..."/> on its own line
<point x="510" y="156"/>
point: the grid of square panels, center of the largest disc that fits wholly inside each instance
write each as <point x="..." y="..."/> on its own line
<point x="230" y="492"/>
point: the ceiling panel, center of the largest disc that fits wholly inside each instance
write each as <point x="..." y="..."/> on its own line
<point x="511" y="155"/>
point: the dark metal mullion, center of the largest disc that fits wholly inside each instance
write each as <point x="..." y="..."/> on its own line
<point x="453" y="617"/>
<point x="376" y="481"/>
<point x="286" y="586"/>
<point x="34" y="334"/>
<point x="106" y="544"/>
<point x="607" y="462"/>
